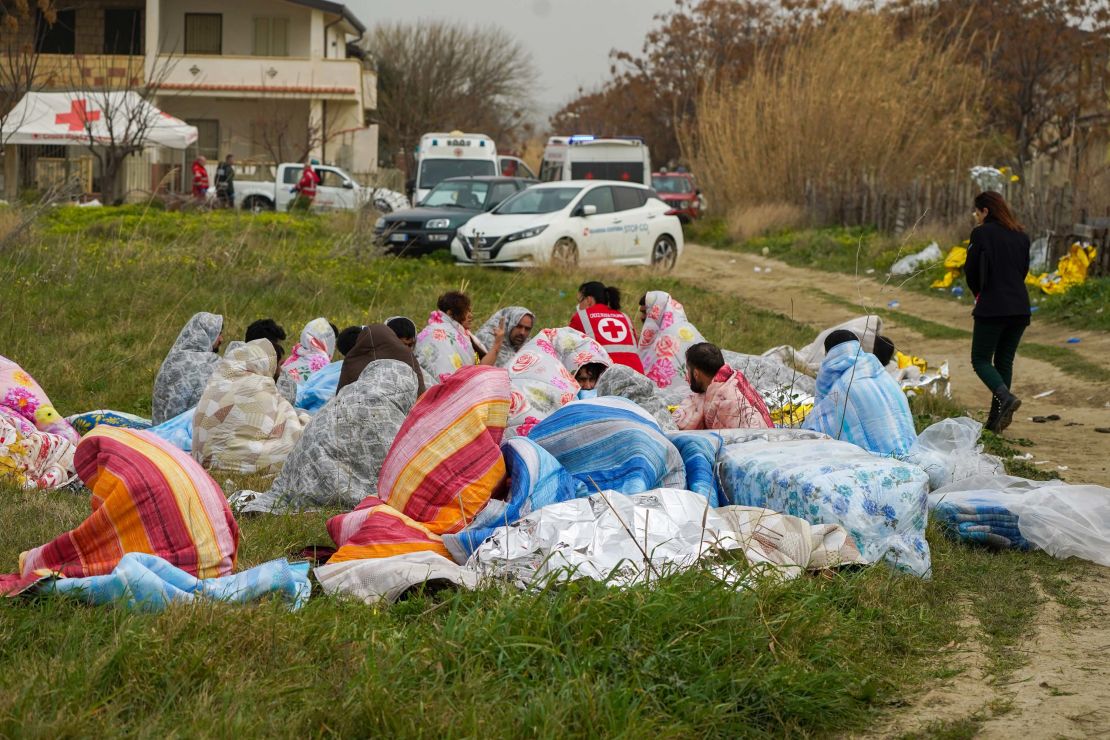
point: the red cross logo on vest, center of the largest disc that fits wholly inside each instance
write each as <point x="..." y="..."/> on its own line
<point x="78" y="115"/>
<point x="612" y="330"/>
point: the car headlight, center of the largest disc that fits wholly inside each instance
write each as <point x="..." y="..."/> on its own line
<point x="526" y="234"/>
<point x="438" y="223"/>
<point x="380" y="223"/>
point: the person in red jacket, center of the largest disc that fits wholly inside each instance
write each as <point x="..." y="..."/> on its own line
<point x="599" y="317"/>
<point x="306" y="188"/>
<point x="200" y="179"/>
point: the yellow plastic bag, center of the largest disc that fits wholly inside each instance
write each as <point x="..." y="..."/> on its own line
<point x="905" y="361"/>
<point x="1070" y="271"/>
<point x="954" y="262"/>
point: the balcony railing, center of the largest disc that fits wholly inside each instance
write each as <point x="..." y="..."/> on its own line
<point x="89" y="71"/>
<point x="248" y="76"/>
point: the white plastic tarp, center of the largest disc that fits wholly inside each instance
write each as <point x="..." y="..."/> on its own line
<point x="81" y="118"/>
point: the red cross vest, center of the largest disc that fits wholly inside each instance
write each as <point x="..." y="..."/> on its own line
<point x="613" y="331"/>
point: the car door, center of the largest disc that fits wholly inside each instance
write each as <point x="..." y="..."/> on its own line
<point x="603" y="232"/>
<point x="630" y="204"/>
<point x="287" y="179"/>
<point x="330" y="193"/>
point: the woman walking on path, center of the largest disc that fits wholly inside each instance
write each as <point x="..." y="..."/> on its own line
<point x="997" y="263"/>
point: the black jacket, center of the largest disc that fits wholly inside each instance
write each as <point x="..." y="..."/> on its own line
<point x="997" y="263"/>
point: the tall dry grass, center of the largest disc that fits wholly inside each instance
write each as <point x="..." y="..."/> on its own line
<point x="748" y="222"/>
<point x="849" y="101"/>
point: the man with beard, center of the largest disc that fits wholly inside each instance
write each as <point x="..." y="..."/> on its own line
<point x="519" y="322"/>
<point x="722" y="398"/>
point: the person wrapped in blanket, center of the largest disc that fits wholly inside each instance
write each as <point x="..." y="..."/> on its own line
<point x="857" y="400"/>
<point x="275" y="332"/>
<point x="446" y="345"/>
<point x="190" y="363"/>
<point x="664" y="338"/>
<point x="722" y="397"/>
<point x="313" y="352"/>
<point x="242" y="424"/>
<point x="518" y="322"/>
<point x="24" y="398"/>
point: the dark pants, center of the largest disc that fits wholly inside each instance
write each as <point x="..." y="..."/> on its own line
<point x="994" y="343"/>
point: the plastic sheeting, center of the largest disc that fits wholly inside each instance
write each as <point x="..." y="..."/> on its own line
<point x="949" y="451"/>
<point x="624" y="540"/>
<point x="1063" y="520"/>
<point x="913" y="262"/>
<point x="809" y="357"/>
<point x="880" y="501"/>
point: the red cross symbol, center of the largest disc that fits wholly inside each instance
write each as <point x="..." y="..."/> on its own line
<point x="612" y="330"/>
<point x="78" y="115"/>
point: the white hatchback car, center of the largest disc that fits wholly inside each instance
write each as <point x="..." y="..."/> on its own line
<point x="565" y="223"/>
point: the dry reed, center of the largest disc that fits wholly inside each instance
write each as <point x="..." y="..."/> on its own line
<point x="748" y="222"/>
<point x="851" y="101"/>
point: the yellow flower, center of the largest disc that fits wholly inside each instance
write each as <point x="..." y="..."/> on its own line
<point x="685" y="334"/>
<point x="456" y="361"/>
<point x="1014" y="178"/>
<point x="22" y="378"/>
<point x="1003" y="170"/>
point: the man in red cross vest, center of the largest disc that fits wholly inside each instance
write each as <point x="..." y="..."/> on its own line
<point x="200" y="179"/>
<point x="599" y="317"/>
<point x="306" y="187"/>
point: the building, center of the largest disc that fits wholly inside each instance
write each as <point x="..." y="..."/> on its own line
<point x="266" y="80"/>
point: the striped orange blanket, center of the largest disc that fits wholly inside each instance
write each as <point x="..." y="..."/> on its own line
<point x="147" y="496"/>
<point x="442" y="469"/>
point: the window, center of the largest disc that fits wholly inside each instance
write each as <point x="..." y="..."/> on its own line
<point x="500" y="192"/>
<point x="208" y="137"/>
<point x="602" y="198"/>
<point x="551" y="171"/>
<point x="292" y="175"/>
<point x="627" y="199"/>
<point x="330" y="179"/>
<point x="546" y="200"/>
<point x="435" y="171"/>
<point x="123" y="32"/>
<point x="58" y="37"/>
<point x="204" y="33"/>
<point x="462" y="193"/>
<point x="623" y="171"/>
<point x="271" y="37"/>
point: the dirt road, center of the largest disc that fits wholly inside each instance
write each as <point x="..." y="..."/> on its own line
<point x="1071" y="446"/>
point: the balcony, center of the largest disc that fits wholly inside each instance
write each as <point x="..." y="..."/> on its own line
<point x="60" y="72"/>
<point x="261" y="77"/>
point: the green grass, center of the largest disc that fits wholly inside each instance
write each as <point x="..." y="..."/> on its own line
<point x="1085" y="306"/>
<point x="96" y="297"/>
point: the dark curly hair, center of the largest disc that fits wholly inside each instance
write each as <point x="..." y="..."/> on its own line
<point x="454" y="304"/>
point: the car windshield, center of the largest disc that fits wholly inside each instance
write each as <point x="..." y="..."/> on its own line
<point x="435" y="171"/>
<point x="458" y="194"/>
<point x="538" y="200"/>
<point x="672" y="184"/>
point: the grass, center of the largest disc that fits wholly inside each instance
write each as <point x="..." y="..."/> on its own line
<point x="97" y="297"/>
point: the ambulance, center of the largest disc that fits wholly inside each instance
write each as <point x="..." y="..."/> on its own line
<point x="623" y="159"/>
<point x="453" y="154"/>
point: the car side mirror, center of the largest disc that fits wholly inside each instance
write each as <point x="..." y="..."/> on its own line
<point x="348" y="185"/>
<point x="587" y="211"/>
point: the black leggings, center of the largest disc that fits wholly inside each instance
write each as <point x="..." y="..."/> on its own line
<point x="994" y="342"/>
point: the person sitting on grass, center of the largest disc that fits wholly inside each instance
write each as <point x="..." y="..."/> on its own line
<point x="188" y="366"/>
<point x="857" y="400"/>
<point x="446" y="344"/>
<point x="404" y="328"/>
<point x="518" y="321"/>
<point x="722" y="397"/>
<point x="883" y="350"/>
<point x="275" y="332"/>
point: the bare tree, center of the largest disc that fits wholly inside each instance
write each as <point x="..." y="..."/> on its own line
<point x="282" y="137"/>
<point x="19" y="57"/>
<point x="441" y="76"/>
<point x="119" y="99"/>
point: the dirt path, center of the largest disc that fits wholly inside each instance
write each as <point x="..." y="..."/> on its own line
<point x="1071" y="446"/>
<point x="1062" y="691"/>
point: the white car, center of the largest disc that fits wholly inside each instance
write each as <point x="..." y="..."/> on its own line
<point x="579" y="221"/>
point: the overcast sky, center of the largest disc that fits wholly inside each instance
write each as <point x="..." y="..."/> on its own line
<point x="569" y="39"/>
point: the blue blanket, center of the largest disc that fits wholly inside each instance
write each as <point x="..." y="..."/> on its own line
<point x="612" y="444"/>
<point x="319" y="389"/>
<point x="86" y="422"/>
<point x="149" y="583"/>
<point x="177" y="430"/>
<point x="981" y="521"/>
<point x="699" y="457"/>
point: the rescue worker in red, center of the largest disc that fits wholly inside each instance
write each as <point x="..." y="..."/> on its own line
<point x="306" y="187"/>
<point x="200" y="179"/>
<point x="599" y="317"/>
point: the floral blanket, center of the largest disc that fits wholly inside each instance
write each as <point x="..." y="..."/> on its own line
<point x="730" y="402"/>
<point x="511" y="315"/>
<point x="443" y="347"/>
<point x="666" y="336"/>
<point x="881" y="502"/>
<point x="312" y="353"/>
<point x="542" y="375"/>
<point x="23" y="396"/>
<point x="30" y="458"/>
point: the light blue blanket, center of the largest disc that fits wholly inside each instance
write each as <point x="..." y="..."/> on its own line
<point x="858" y="402"/>
<point x="319" y="389"/>
<point x="148" y="583"/>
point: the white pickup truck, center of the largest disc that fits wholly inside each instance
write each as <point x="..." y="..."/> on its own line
<point x="337" y="191"/>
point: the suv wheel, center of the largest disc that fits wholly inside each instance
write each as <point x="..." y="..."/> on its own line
<point x="565" y="253"/>
<point x="664" y="254"/>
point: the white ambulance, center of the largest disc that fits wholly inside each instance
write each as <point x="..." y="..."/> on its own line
<point x="453" y="154"/>
<point x="623" y="159"/>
